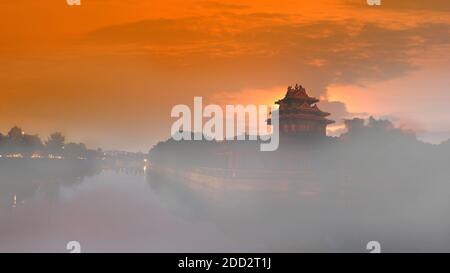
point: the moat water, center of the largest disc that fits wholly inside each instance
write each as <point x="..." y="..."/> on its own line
<point x="128" y="210"/>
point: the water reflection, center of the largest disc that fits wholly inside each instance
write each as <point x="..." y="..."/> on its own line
<point x="134" y="209"/>
<point x="21" y="179"/>
<point x="106" y="209"/>
<point x="324" y="221"/>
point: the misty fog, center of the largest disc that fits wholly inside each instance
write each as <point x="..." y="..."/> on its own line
<point x="374" y="183"/>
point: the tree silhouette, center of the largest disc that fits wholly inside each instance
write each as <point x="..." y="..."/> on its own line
<point x="16" y="135"/>
<point x="55" y="143"/>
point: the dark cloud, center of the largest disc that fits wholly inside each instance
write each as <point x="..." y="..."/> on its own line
<point x="416" y="5"/>
<point x="140" y="70"/>
<point x="341" y="52"/>
<point x="222" y="53"/>
<point x="157" y="31"/>
<point x="337" y="109"/>
<point x="222" y="6"/>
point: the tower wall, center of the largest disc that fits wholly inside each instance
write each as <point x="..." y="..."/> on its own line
<point x="303" y="127"/>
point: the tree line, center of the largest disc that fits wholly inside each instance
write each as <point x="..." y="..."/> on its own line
<point x="17" y="142"/>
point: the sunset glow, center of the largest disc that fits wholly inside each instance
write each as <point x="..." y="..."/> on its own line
<point x="225" y="135"/>
<point x="124" y="64"/>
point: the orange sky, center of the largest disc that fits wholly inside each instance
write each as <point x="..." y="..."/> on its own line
<point x="108" y="72"/>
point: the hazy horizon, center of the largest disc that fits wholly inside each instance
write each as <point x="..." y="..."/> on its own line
<point x="107" y="73"/>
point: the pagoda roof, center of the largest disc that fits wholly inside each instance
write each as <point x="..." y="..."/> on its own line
<point x="306" y="108"/>
<point x="320" y="112"/>
<point x="297" y="93"/>
<point x="303" y="116"/>
<point x="297" y="105"/>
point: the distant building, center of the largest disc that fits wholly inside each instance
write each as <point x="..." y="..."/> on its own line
<point x="299" y="114"/>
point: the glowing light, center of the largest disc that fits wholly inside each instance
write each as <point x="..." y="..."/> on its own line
<point x="51" y="156"/>
<point x="14" y="156"/>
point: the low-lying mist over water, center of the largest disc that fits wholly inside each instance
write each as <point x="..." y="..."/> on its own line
<point x="108" y="212"/>
<point x="374" y="183"/>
